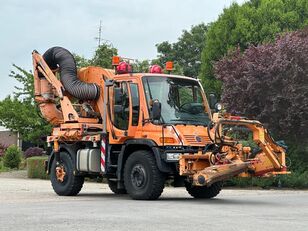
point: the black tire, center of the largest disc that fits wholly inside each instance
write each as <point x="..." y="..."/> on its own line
<point x="204" y="191"/>
<point x="113" y="187"/>
<point x="71" y="184"/>
<point x="142" y="178"/>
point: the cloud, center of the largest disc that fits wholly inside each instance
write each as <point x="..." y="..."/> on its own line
<point x="134" y="27"/>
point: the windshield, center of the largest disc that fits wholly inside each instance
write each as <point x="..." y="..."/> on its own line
<point x="181" y="99"/>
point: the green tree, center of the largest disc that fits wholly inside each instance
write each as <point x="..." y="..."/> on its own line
<point x="103" y="56"/>
<point x="142" y="66"/>
<point x="20" y="113"/>
<point x="81" y="61"/>
<point x="23" y="116"/>
<point x="254" y="22"/>
<point x="25" y="91"/>
<point x="186" y="52"/>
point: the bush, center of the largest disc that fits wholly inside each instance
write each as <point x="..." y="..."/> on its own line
<point x="295" y="180"/>
<point x="297" y="157"/>
<point x="33" y="151"/>
<point x="269" y="83"/>
<point x="2" y="168"/>
<point x="36" y="167"/>
<point x="253" y="182"/>
<point x="3" y="147"/>
<point x="12" y="157"/>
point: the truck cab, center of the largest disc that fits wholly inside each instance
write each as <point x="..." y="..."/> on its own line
<point x="162" y="115"/>
<point x="183" y="110"/>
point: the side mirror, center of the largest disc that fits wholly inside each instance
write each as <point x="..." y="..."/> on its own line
<point x="118" y="95"/>
<point x="212" y="100"/>
<point x="156" y="110"/>
<point x="218" y="107"/>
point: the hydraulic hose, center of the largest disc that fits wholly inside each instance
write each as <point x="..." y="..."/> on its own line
<point x="58" y="57"/>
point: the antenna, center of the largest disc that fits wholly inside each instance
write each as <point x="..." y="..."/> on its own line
<point x="99" y="38"/>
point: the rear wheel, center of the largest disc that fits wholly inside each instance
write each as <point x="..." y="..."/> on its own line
<point x="204" y="191"/>
<point x="113" y="185"/>
<point x="142" y="178"/>
<point x="62" y="177"/>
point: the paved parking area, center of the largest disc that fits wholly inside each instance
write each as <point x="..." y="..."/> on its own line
<point x="27" y="204"/>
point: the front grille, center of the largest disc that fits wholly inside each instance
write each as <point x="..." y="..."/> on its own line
<point x="197" y="140"/>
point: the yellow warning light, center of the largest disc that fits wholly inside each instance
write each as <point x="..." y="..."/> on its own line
<point x="115" y="60"/>
<point x="169" y="66"/>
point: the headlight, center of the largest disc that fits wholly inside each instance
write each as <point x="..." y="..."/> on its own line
<point x="173" y="156"/>
<point x="218" y="106"/>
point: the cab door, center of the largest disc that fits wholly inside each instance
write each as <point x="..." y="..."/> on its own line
<point x="124" y="111"/>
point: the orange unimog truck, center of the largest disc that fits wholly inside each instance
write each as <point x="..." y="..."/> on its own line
<point x="140" y="129"/>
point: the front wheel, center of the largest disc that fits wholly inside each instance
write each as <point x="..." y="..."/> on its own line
<point x="204" y="191"/>
<point x="113" y="185"/>
<point x="62" y="177"/>
<point x="142" y="178"/>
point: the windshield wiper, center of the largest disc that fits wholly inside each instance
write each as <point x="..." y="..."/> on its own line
<point x="189" y="120"/>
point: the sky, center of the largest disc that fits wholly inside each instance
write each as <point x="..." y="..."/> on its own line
<point x="133" y="27"/>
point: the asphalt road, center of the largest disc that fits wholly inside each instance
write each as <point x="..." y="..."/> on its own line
<point x="32" y="205"/>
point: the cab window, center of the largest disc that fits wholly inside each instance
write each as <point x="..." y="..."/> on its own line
<point x="135" y="103"/>
<point x="121" y="111"/>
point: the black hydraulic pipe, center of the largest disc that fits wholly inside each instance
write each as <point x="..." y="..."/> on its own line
<point x="58" y="57"/>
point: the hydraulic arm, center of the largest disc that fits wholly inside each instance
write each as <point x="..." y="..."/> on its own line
<point x="230" y="158"/>
<point x="71" y="120"/>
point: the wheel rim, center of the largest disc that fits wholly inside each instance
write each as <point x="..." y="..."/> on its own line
<point x="138" y="176"/>
<point x="60" y="173"/>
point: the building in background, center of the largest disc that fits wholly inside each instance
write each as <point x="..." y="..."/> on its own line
<point x="8" y="138"/>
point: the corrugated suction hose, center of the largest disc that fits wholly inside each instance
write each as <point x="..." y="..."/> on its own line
<point x="60" y="57"/>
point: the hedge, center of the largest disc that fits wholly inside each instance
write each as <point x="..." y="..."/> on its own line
<point x="295" y="180"/>
<point x="36" y="167"/>
<point x="2" y="168"/>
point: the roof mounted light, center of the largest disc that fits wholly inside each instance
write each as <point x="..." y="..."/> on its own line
<point x="169" y="66"/>
<point x="155" y="69"/>
<point x="123" y="68"/>
<point x="115" y="60"/>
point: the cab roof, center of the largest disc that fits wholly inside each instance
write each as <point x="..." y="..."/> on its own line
<point x="140" y="75"/>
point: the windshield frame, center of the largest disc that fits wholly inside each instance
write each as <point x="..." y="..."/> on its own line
<point x="196" y="82"/>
